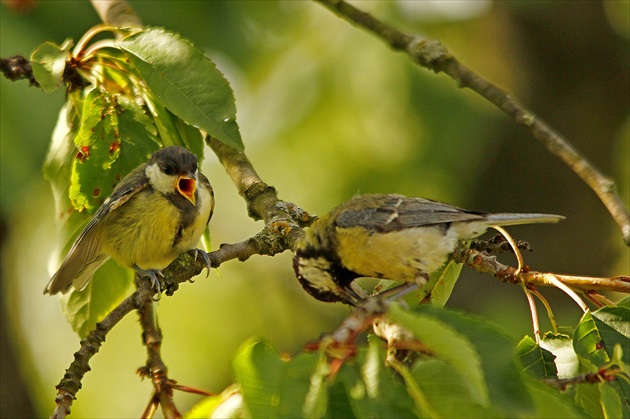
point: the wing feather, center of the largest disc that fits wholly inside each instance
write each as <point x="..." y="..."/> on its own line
<point x="396" y="212"/>
<point x="85" y="256"/>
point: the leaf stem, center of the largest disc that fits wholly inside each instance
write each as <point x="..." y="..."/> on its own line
<point x="78" y="50"/>
<point x="552" y="317"/>
<point x="558" y="284"/>
<point x="89" y="52"/>
<point x="414" y="390"/>
<point x="534" y="312"/>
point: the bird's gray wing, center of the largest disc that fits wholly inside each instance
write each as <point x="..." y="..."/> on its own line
<point x="395" y="212"/>
<point x="85" y="256"/>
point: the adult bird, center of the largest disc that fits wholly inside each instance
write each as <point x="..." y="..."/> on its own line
<point x="388" y="236"/>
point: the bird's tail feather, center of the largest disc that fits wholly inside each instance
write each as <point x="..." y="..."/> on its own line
<point x="69" y="275"/>
<point x="507" y="219"/>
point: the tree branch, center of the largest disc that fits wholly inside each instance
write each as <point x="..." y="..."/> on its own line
<point x="90" y="345"/>
<point x="155" y="367"/>
<point x="17" y="68"/>
<point x="484" y="263"/>
<point x="283" y="228"/>
<point x="431" y="54"/>
<point x="283" y="220"/>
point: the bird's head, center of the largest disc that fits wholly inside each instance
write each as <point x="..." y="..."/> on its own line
<point x="319" y="271"/>
<point x="173" y="170"/>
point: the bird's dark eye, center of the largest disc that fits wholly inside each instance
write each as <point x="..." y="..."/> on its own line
<point x="168" y="170"/>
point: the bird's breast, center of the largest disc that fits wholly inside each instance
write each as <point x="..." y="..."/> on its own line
<point x="399" y="255"/>
<point x="150" y="231"/>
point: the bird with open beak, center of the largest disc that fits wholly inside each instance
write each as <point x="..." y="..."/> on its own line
<point x="156" y="213"/>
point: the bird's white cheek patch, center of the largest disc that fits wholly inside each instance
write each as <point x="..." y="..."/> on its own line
<point x="159" y="180"/>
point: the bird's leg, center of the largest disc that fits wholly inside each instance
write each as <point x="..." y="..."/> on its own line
<point x="152" y="274"/>
<point x="354" y="294"/>
<point x="398" y="291"/>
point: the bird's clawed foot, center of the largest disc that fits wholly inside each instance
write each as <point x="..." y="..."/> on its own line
<point x="152" y="274"/>
<point x="205" y="257"/>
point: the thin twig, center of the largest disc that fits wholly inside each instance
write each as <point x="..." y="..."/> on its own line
<point x="533" y="309"/>
<point x="514" y="246"/>
<point x="17" y="68"/>
<point x="543" y="300"/>
<point x="604" y="374"/>
<point x="534" y="312"/>
<point x="90" y="345"/>
<point x="155" y="366"/>
<point x="431" y="54"/>
<point x="262" y="199"/>
<point x="598" y="299"/>
<point x="485" y="263"/>
<point x="555" y="281"/>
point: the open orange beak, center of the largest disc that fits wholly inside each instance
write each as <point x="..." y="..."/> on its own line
<point x="187" y="185"/>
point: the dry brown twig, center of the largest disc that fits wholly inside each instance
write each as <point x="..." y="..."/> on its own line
<point x="484" y="263"/>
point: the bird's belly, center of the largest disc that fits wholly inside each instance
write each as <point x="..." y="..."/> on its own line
<point x="143" y="233"/>
<point x="400" y="255"/>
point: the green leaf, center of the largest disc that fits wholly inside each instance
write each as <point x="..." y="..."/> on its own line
<point x="89" y="186"/>
<point x="316" y="398"/>
<point x="48" y="62"/>
<point x="594" y="341"/>
<point x="503" y="379"/>
<point x="111" y="137"/>
<point x="371" y="389"/>
<point x="447" y="391"/>
<point x="259" y="371"/>
<point x="587" y="397"/>
<point x="617" y="318"/>
<point x="110" y="285"/>
<point x="191" y="137"/>
<point x="339" y="405"/>
<point x="561" y="346"/>
<point x="444" y="341"/>
<point x="588" y="342"/>
<point x="613" y="324"/>
<point x="273" y="387"/>
<point x="304" y="391"/>
<point x="186" y="81"/>
<point x="172" y="130"/>
<point x="228" y="404"/>
<point x="537" y="362"/>
<point x="58" y="164"/>
<point x="57" y="170"/>
<point x="611" y="401"/>
<point x="447" y="277"/>
<point x="551" y="403"/>
<point x="114" y="137"/>
<point x="437" y="290"/>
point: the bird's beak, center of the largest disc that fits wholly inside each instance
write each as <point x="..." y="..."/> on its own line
<point x="187" y="185"/>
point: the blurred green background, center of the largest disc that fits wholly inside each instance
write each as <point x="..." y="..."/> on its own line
<point x="326" y="111"/>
